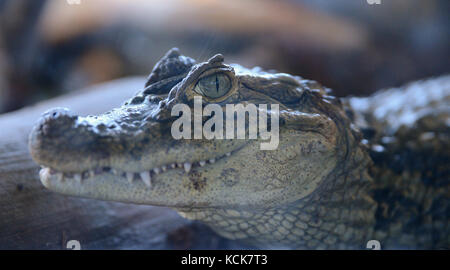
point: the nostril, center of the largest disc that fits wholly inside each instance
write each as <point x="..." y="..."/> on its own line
<point x="57" y="112"/>
<point x="56" y="119"/>
<point x="55" y="132"/>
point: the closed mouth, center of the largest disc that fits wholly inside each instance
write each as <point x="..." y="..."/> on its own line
<point x="47" y="173"/>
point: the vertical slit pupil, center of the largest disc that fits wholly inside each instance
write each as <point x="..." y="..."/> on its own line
<point x="217" y="84"/>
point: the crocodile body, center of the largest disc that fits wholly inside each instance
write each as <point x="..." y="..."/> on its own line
<point x="346" y="171"/>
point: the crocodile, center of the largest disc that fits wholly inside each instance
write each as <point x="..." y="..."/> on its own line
<point x="345" y="171"/>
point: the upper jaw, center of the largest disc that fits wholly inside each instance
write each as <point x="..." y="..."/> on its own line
<point x="77" y="147"/>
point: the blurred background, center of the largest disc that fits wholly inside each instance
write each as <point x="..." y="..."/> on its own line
<point x="48" y="48"/>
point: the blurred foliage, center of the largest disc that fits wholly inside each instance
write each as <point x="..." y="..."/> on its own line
<point x="51" y="47"/>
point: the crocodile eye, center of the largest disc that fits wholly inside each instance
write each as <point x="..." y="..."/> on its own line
<point x="213" y="86"/>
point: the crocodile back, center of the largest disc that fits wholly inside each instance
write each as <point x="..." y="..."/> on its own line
<point x="407" y="132"/>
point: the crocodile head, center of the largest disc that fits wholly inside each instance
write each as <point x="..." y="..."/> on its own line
<point x="130" y="155"/>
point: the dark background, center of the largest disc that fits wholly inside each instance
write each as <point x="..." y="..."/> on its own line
<point x="48" y="48"/>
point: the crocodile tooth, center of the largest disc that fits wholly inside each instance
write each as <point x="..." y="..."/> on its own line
<point x="164" y="168"/>
<point x="202" y="163"/>
<point x="130" y="176"/>
<point x="228" y="154"/>
<point x="173" y="165"/>
<point x="212" y="160"/>
<point x="146" y="178"/>
<point x="77" y="177"/>
<point x="157" y="170"/>
<point x="43" y="172"/>
<point x="187" y="167"/>
<point x="114" y="171"/>
<point x="43" y="175"/>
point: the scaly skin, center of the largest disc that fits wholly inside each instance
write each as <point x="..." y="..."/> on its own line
<point x="316" y="190"/>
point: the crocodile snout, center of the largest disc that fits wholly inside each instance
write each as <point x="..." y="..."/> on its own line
<point x="57" y="138"/>
<point x="54" y="123"/>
